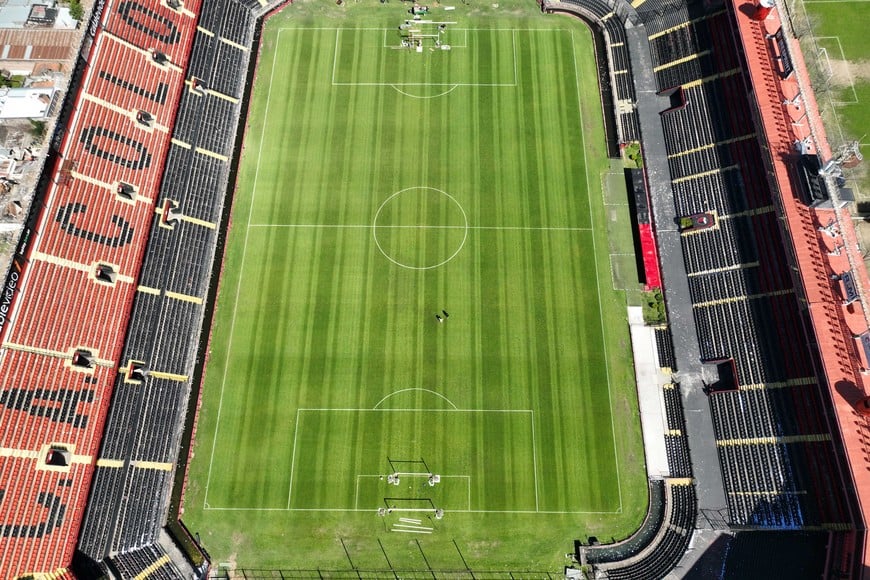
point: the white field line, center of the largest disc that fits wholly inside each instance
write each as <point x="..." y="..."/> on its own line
<point x="452" y="29"/>
<point x="452" y="44"/>
<point x="394" y="84"/>
<point x="349" y="410"/>
<point x="597" y="277"/>
<point x="378" y="404"/>
<point x="435" y="96"/>
<point x="513" y="32"/>
<point x="453" y="85"/>
<point x="293" y="460"/>
<point x="855" y="100"/>
<point x="293" y="457"/>
<point x="604" y="190"/>
<point x="514" y="46"/>
<point x="534" y="463"/>
<point x="425" y="227"/>
<point x="833" y="106"/>
<point x="359" y="476"/>
<point x="334" y="52"/>
<point x="241" y="277"/>
<point x="371" y="476"/>
<point x="352" y="510"/>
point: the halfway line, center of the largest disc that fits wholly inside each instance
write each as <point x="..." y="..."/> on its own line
<point x="422" y="226"/>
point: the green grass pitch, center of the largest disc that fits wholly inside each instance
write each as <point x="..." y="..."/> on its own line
<point x="380" y="187"/>
<point x="839" y="28"/>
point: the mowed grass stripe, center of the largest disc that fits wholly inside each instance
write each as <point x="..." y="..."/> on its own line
<point x="346" y="328"/>
<point x="529" y="364"/>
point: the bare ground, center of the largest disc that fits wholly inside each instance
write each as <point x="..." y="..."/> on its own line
<point x="847" y="72"/>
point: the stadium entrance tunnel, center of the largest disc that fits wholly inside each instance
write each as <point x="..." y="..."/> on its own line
<point x="57" y="456"/>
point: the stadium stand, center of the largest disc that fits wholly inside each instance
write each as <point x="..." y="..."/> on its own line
<point x="609" y="16"/>
<point x="776" y="448"/>
<point x="743" y="299"/>
<point x="753" y="555"/>
<point x="665" y="348"/>
<point x="81" y="255"/>
<point x="819" y="243"/>
<point x="150" y="561"/>
<point x="95" y="397"/>
<point x="124" y="247"/>
<point x="154" y="387"/>
<point x="636" y="542"/>
<point x="661" y="541"/>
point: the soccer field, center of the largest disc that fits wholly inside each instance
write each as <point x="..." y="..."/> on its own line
<point x="418" y="359"/>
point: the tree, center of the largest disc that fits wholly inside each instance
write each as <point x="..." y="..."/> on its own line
<point x="76" y="10"/>
<point x="37" y="128"/>
<point x="654" y="307"/>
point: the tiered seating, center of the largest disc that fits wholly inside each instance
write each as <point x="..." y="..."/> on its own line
<point x="690" y="127"/>
<point x="722" y="93"/>
<point x="711" y="192"/>
<point x="610" y="16"/>
<point x="214" y="134"/>
<point x="669" y="545"/>
<point x="45" y="402"/>
<point x="643" y="537"/>
<point x="724" y="337"/>
<point x="675" y="45"/>
<point x="753" y="177"/>
<point x="153" y="25"/>
<point x="228" y="19"/>
<point x="679" y="59"/>
<point x="676" y="441"/>
<point x="661" y="15"/>
<point x="768" y="475"/>
<point x="740" y="281"/>
<point x="208" y="51"/>
<point x="42" y="400"/>
<point x="38" y="507"/>
<point x="743" y="414"/>
<point x="59" y="363"/>
<point x="198" y="201"/>
<point x="694" y="51"/>
<point x="724" y="285"/>
<point x="141" y="512"/>
<point x="729" y="244"/>
<point x="756" y="497"/>
<point x="665" y="348"/>
<point x="719" y="30"/>
<point x="778" y="554"/>
<point x="701" y="159"/>
<point x="149" y="92"/>
<point x="78" y="300"/>
<point x="166" y="320"/>
<point x="150" y="560"/>
<point x="630" y="126"/>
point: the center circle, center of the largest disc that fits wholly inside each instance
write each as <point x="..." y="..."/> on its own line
<point x="420" y="228"/>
